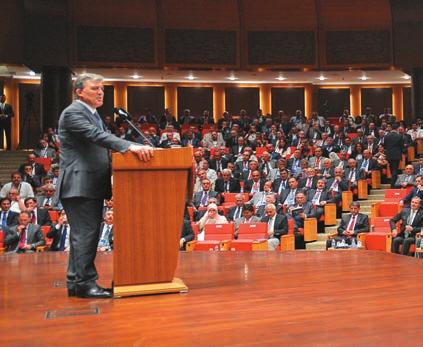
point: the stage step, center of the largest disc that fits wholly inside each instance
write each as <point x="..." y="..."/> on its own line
<point x="9" y="162"/>
<point x="316" y="246"/>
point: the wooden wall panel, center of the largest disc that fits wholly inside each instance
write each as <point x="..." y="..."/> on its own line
<point x="108" y="102"/>
<point x="331" y="102"/>
<point x="200" y="14"/>
<point x="406" y="103"/>
<point x="197" y="99"/>
<point x="276" y="15"/>
<point x="140" y="13"/>
<point x="140" y="98"/>
<point x="376" y="98"/>
<point x="11" y="32"/>
<point x="287" y="99"/>
<point x="242" y="98"/>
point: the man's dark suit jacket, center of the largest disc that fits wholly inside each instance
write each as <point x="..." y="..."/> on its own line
<point x="196" y="201"/>
<point x="223" y="163"/>
<point x="43" y="217"/>
<point x="393" y="144"/>
<point x="324" y="196"/>
<point x="231" y="212"/>
<point x="280" y="227"/>
<point x="285" y="193"/>
<point x="411" y="194"/>
<point x="302" y="183"/>
<point x="234" y="186"/>
<point x="249" y="185"/>
<point x="403" y="216"/>
<point x="372" y="165"/>
<point x="35" y="237"/>
<point x="56" y="235"/>
<point x="195" y="142"/>
<point x="187" y="233"/>
<point x="361" y="224"/>
<point x="359" y="174"/>
<point x="277" y="183"/>
<point x="11" y="219"/>
<point x="39" y="169"/>
<point x="235" y="149"/>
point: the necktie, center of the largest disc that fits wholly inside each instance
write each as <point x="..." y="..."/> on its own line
<point x="227" y="187"/>
<point x="411" y="217"/>
<point x="47" y="201"/>
<point x="316" y="197"/>
<point x="4" y="219"/>
<point x="318" y="163"/>
<point x="364" y="165"/>
<point x="98" y="119"/>
<point x="308" y="183"/>
<point x="351" y="175"/>
<point x="334" y="186"/>
<point x="218" y="167"/>
<point x="351" y="224"/>
<point x="104" y="240"/>
<point x="33" y="218"/>
<point x="22" y="239"/>
<point x="237" y="213"/>
<point x="204" y="199"/>
<point x="63" y="238"/>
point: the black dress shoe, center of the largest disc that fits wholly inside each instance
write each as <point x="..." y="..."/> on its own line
<point x="93" y="292"/>
<point x="71" y="292"/>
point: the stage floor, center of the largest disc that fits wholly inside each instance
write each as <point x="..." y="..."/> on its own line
<point x="360" y="298"/>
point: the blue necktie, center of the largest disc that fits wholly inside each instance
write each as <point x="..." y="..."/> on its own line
<point x="98" y="119"/>
<point x="4" y="219"/>
<point x="63" y="238"/>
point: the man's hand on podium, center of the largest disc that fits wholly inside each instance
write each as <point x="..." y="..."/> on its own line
<point x="145" y="153"/>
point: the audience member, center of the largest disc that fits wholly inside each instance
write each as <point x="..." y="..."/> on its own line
<point x="8" y="218"/>
<point x="38" y="215"/>
<point x="60" y="234"/>
<point x="210" y="217"/>
<point x="247" y="218"/>
<point x="277" y="225"/>
<point x="24" y="189"/>
<point x="105" y="242"/>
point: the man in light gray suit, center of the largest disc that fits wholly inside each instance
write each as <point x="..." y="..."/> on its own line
<point x="84" y="180"/>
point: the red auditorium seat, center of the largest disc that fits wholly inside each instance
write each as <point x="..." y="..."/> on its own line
<point x="1" y="241"/>
<point x="216" y="236"/>
<point x="259" y="151"/>
<point x="385" y="209"/>
<point x="46" y="162"/>
<point x="395" y="195"/>
<point x="54" y="215"/>
<point x="251" y="236"/>
<point x="230" y="197"/>
<point x="45" y="229"/>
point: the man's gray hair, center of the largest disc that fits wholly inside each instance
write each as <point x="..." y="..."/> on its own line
<point x="84" y="77"/>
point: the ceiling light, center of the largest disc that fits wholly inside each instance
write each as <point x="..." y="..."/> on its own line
<point x="364" y="78"/>
<point x="190" y="77"/>
<point x="135" y="76"/>
<point x="406" y="77"/>
<point x="321" y="78"/>
<point x="32" y="73"/>
<point x="232" y="78"/>
<point x="280" y="78"/>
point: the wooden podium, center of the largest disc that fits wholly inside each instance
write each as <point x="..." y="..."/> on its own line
<point x="149" y="201"/>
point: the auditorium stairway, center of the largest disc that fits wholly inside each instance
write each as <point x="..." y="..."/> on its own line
<point x="9" y="162"/>
<point x="375" y="195"/>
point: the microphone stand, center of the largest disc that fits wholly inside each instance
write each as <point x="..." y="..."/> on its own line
<point x="126" y="118"/>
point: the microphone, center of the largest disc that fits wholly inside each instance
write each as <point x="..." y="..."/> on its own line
<point x="125" y="115"/>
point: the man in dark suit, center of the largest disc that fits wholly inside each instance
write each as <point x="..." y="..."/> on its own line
<point x="105" y="243"/>
<point x="287" y="197"/>
<point x="38" y="215"/>
<point x="236" y="211"/>
<point x="277" y="225"/>
<point x="310" y="181"/>
<point x="351" y="225"/>
<point x="217" y="163"/>
<point x="227" y="184"/>
<point x="416" y="191"/>
<point x="60" y="234"/>
<point x="256" y="184"/>
<point x="201" y="198"/>
<point x="319" y="197"/>
<point x="7" y="218"/>
<point x="301" y="210"/>
<point x="412" y="222"/>
<point x="37" y="169"/>
<point x="84" y="180"/>
<point x="187" y="234"/>
<point x="24" y="237"/>
<point x="281" y="183"/>
<point x="393" y="144"/>
<point x="367" y="164"/>
<point x="6" y="115"/>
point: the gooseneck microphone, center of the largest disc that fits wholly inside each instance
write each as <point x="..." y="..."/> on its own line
<point x="126" y="116"/>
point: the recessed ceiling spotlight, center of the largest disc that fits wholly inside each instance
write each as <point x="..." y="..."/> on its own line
<point x="32" y="73"/>
<point x="364" y="78"/>
<point x="190" y="77"/>
<point x="321" y="78"/>
<point x="406" y="77"/>
<point x="232" y="78"/>
<point x="280" y="78"/>
<point x="136" y="76"/>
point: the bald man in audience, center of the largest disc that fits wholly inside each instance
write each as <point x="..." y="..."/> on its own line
<point x="236" y="211"/>
<point x="406" y="179"/>
<point x="277" y="225"/>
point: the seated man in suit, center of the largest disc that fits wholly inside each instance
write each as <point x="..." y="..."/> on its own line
<point x="353" y="174"/>
<point x="17" y="204"/>
<point x="37" y="169"/>
<point x="218" y="163"/>
<point x="254" y="185"/>
<point x="412" y="222"/>
<point x="418" y="167"/>
<point x="235" y="212"/>
<point x="187" y="234"/>
<point x="367" y="164"/>
<point x="319" y="197"/>
<point x="259" y="198"/>
<point x="310" y="181"/>
<point x="277" y="225"/>
<point x="210" y="173"/>
<point x="281" y="183"/>
<point x="24" y="237"/>
<point x="416" y="191"/>
<point x="327" y="170"/>
<point x="227" y="184"/>
<point x="270" y="199"/>
<point x="301" y="210"/>
<point x="201" y="198"/>
<point x="287" y="197"/>
<point x="407" y="179"/>
<point x="351" y="225"/>
<point x="60" y="234"/>
<point x="106" y="233"/>
<point x="7" y="218"/>
<point x="44" y="151"/>
<point x="28" y="177"/>
<point x="247" y="217"/>
<point x="336" y="186"/>
<point x="46" y="200"/>
<point x="38" y="215"/>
